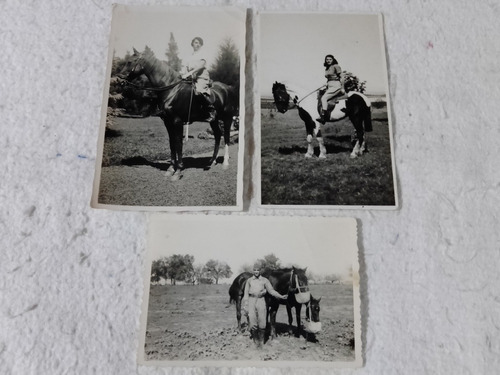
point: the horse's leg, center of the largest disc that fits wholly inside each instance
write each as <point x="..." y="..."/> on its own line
<point x="319" y="137"/>
<point x="357" y="122"/>
<point x="178" y="139"/>
<point x="298" y="307"/>
<point x="367" y="126"/>
<point x="238" y="311"/>
<point x="227" y="139"/>
<point x="310" y="148"/>
<point x="171" y="140"/>
<point x="272" y="318"/>
<point x="290" y="318"/>
<point x="217" y="135"/>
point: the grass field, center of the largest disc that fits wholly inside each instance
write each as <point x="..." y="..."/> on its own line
<point x="136" y="155"/>
<point x="288" y="178"/>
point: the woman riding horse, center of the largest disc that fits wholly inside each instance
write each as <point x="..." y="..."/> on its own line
<point x="195" y="69"/>
<point x="334" y="84"/>
<point x="178" y="106"/>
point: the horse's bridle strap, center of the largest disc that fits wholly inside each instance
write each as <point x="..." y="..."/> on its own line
<point x="161" y="88"/>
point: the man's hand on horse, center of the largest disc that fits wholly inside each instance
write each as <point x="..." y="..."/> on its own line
<point x="186" y="75"/>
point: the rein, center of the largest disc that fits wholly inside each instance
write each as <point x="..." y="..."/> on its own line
<point x="161" y="88"/>
<point x="297" y="285"/>
<point x="312" y="92"/>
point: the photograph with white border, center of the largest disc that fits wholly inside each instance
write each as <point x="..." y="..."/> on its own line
<point x="325" y="117"/>
<point x="172" y="118"/>
<point x="217" y="291"/>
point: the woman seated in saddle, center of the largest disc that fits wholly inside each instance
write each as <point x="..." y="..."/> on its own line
<point x="334" y="84"/>
<point x="195" y="68"/>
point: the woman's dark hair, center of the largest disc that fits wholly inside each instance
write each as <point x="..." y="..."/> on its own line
<point x="325" y="64"/>
<point x="198" y="39"/>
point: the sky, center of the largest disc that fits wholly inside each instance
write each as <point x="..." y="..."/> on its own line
<point x="136" y="27"/>
<point x="323" y="245"/>
<point x="293" y="47"/>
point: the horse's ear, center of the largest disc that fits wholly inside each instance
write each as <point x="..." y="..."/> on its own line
<point x="135" y="51"/>
<point x="319" y="299"/>
<point x="305" y="269"/>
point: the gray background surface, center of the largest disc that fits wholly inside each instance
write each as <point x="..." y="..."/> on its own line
<point x="71" y="276"/>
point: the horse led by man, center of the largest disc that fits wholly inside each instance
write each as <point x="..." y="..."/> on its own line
<point x="356" y="107"/>
<point x="179" y="104"/>
<point x="288" y="281"/>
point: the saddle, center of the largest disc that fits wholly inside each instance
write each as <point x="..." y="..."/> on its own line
<point x="331" y="106"/>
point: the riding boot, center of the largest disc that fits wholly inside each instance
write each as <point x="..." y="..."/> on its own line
<point x="259" y="338"/>
<point x="211" y="113"/>
<point x="322" y="117"/>
<point x="262" y="336"/>
<point x="254" y="334"/>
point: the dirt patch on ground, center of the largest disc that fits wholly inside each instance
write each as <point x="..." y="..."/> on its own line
<point x="196" y="323"/>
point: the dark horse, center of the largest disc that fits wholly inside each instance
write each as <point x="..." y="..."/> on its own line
<point x="287" y="281"/>
<point x="179" y="105"/>
<point x="356" y="107"/>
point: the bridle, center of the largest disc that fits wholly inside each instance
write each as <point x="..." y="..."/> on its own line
<point x="295" y="98"/>
<point x="157" y="89"/>
<point x="298" y="288"/>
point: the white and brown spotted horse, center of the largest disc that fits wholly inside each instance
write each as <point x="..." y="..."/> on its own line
<point x="356" y="107"/>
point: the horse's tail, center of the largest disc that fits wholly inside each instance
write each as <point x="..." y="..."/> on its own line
<point x="368" y="120"/>
<point x="233" y="294"/>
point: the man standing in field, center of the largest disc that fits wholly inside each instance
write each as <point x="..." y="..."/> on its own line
<point x="256" y="288"/>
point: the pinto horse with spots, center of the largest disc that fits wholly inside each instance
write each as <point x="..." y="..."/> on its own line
<point x="356" y="107"/>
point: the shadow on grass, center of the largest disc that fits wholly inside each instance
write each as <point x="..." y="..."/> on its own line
<point x="330" y="149"/>
<point x="189" y="163"/>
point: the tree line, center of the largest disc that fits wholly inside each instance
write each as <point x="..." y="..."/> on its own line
<point x="182" y="268"/>
<point x="179" y="267"/>
<point x="128" y="100"/>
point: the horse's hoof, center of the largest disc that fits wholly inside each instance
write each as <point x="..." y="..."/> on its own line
<point x="308" y="156"/>
<point x="322" y="156"/>
<point x="225" y="166"/>
<point x="354" y="155"/>
<point x="176" y="176"/>
<point x="170" y="171"/>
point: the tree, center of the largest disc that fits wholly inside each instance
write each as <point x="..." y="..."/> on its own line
<point x="159" y="270"/>
<point x="198" y="273"/>
<point x="270" y="261"/>
<point x="226" y="68"/>
<point x="172" y="54"/>
<point x="350" y="80"/>
<point x="180" y="267"/>
<point x="216" y="270"/>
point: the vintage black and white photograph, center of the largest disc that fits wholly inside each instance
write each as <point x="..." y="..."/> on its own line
<point x="326" y="137"/>
<point x="172" y="128"/>
<point x="251" y="291"/>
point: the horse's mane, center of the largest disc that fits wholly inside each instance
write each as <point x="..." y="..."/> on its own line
<point x="298" y="271"/>
<point x="152" y="63"/>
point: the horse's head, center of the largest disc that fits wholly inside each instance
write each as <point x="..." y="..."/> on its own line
<point x="281" y="97"/>
<point x="314" y="306"/>
<point x="312" y="323"/>
<point x="134" y="66"/>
